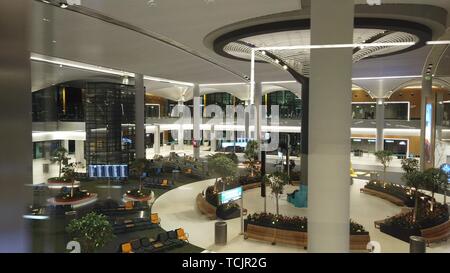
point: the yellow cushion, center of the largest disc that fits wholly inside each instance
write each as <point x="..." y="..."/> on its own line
<point x="154" y="218"/>
<point x="126" y="248"/>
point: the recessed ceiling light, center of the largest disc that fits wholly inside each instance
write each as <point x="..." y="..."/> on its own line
<point x="63" y="5"/>
<point x="285" y="67"/>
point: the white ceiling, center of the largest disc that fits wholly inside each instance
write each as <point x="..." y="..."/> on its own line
<point x="77" y="37"/>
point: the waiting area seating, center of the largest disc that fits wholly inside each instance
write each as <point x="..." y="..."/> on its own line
<point x="158" y="183"/>
<point x="129" y="225"/>
<point x="127" y="208"/>
<point x="437" y="233"/>
<point x="388" y="197"/>
<point x="164" y="241"/>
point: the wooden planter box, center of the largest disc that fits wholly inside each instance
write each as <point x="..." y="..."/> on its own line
<point x="297" y="238"/>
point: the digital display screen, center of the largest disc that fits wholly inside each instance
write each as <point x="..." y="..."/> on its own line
<point x="108" y="171"/>
<point x="228" y="196"/>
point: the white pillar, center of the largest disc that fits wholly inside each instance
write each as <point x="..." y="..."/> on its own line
<point x="181" y="130"/>
<point x="426" y="149"/>
<point x="16" y="161"/>
<point x="213" y="140"/>
<point x="329" y="133"/>
<point x="139" y="101"/>
<point x="79" y="151"/>
<point x="196" y="121"/>
<point x="157" y="140"/>
<point x="65" y="145"/>
<point x="380" y="124"/>
<point x="257" y="102"/>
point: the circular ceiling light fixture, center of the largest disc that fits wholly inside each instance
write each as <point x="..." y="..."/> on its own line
<point x="373" y="38"/>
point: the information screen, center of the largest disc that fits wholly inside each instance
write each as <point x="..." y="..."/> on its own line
<point x="230" y="195"/>
<point x="108" y="171"/>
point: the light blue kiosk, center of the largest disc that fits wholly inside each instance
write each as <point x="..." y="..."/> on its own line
<point x="299" y="198"/>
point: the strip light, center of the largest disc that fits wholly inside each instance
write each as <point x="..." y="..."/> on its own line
<point x="443" y="42"/>
<point x="78" y="65"/>
<point x="387" y="77"/>
<point x="223" y="84"/>
<point x="278" y="82"/>
<point x="277" y="48"/>
<point x="155" y="79"/>
<point x="94" y="68"/>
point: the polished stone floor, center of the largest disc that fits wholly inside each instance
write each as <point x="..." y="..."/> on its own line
<point x="177" y="208"/>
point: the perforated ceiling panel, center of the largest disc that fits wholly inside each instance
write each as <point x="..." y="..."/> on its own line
<point x="299" y="59"/>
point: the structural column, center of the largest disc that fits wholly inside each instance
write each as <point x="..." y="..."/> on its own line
<point x="79" y="151"/>
<point x="212" y="139"/>
<point x="257" y="99"/>
<point x="65" y="144"/>
<point x="180" y="127"/>
<point x="427" y="124"/>
<point x="157" y="140"/>
<point x="15" y="117"/>
<point x="139" y="100"/>
<point x="380" y="124"/>
<point x="196" y="122"/>
<point x="329" y="135"/>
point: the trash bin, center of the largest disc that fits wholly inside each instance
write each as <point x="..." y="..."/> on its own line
<point x="417" y="244"/>
<point x="221" y="233"/>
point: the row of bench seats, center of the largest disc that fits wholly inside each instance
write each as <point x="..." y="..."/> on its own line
<point x="128" y="225"/>
<point x="164" y="241"/>
<point x="128" y="207"/>
<point x="155" y="182"/>
<point x="437" y="233"/>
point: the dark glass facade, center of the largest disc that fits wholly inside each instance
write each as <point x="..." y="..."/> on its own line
<point x="109" y="111"/>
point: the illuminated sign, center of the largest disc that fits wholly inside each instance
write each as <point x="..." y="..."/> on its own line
<point x="446" y="169"/>
<point x="230" y="195"/>
<point x="428" y="131"/>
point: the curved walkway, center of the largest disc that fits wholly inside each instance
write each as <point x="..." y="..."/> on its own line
<point x="177" y="208"/>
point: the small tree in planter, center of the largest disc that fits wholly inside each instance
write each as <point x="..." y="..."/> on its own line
<point x="385" y="158"/>
<point x="224" y="167"/>
<point x="277" y="181"/>
<point x="433" y="180"/>
<point x="138" y="166"/>
<point x="414" y="179"/>
<point x="251" y="155"/>
<point x="60" y="157"/>
<point x="410" y="165"/>
<point x="70" y="171"/>
<point x="93" y="231"/>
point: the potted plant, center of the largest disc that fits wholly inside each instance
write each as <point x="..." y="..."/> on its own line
<point x="433" y="180"/>
<point x="385" y="158"/>
<point x="410" y="165"/>
<point x="60" y="157"/>
<point x="138" y="166"/>
<point x="251" y="155"/>
<point x="224" y="167"/>
<point x="92" y="231"/>
<point x="276" y="182"/>
<point x="414" y="179"/>
<point x="70" y="171"/>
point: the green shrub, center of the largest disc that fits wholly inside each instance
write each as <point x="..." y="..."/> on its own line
<point x="92" y="231"/>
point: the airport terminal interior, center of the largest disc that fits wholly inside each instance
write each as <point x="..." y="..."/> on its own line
<point x="225" y="126"/>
